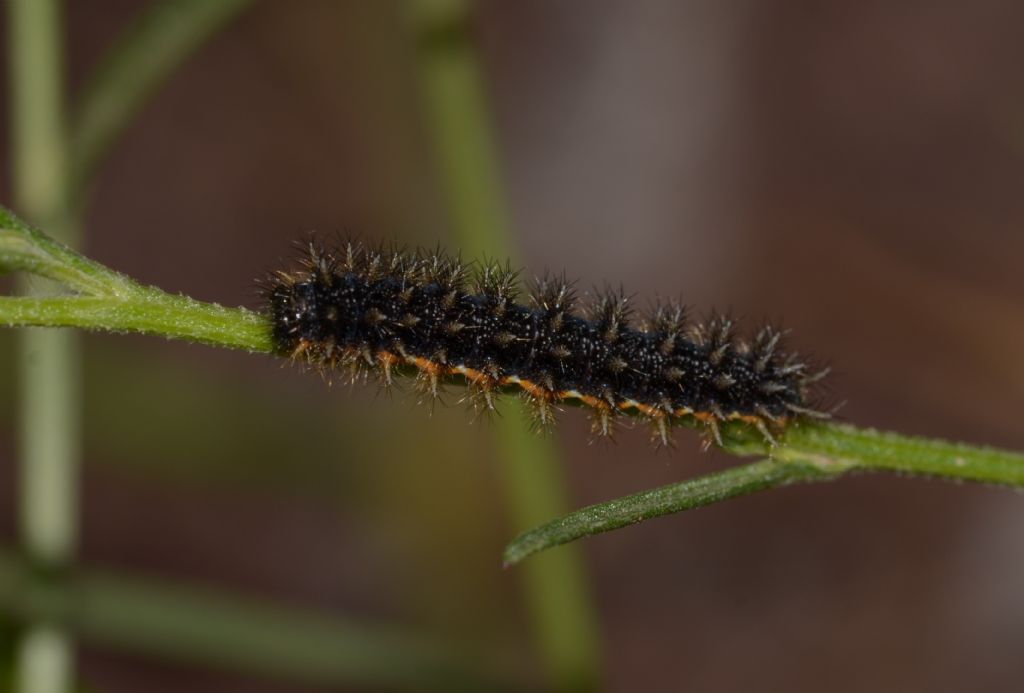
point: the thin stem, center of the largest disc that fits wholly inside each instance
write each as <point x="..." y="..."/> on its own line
<point x="49" y="364"/>
<point x="25" y="249"/>
<point x="148" y="52"/>
<point x="112" y="301"/>
<point x="45" y="660"/>
<point x="841" y="446"/>
<point x="224" y="631"/>
<point x="153" y="313"/>
<point x="556" y="591"/>
<point x="810" y="452"/>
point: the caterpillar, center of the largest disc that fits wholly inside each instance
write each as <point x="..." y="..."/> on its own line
<point x="385" y="309"/>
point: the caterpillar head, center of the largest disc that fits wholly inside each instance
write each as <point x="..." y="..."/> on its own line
<point x="295" y="312"/>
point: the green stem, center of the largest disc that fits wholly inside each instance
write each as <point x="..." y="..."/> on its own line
<point x="556" y="591"/>
<point x="25" y="249"/>
<point x="148" y="52"/>
<point x="112" y="301"/>
<point x="810" y="452"/>
<point x="228" y="632"/>
<point x="152" y="312"/>
<point x="845" y="447"/>
<point x="49" y="426"/>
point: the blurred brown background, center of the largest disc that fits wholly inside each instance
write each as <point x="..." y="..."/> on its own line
<point x="853" y="170"/>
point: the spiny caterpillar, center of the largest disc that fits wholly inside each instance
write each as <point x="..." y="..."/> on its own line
<point x="383" y="309"/>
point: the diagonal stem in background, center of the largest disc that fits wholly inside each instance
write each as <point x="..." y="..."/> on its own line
<point x="146" y="54"/>
<point x="227" y="632"/>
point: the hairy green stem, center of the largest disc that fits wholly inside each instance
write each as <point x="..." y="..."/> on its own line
<point x="845" y="447"/>
<point x="811" y="451"/>
<point x="111" y="301"/>
<point x="26" y="249"/>
<point x="152" y="312"/>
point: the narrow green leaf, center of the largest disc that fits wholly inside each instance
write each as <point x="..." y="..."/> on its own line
<point x="673" y="498"/>
<point x="26" y="249"/>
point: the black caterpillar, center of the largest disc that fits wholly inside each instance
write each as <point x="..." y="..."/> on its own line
<point x="384" y="309"/>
